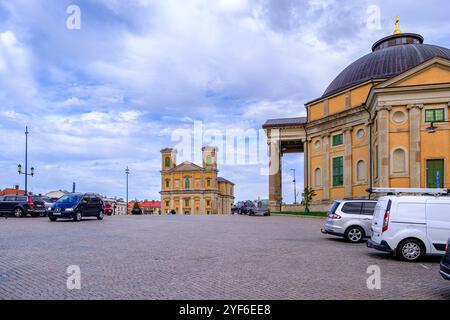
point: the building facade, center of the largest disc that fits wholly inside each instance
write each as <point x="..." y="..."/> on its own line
<point x="383" y="122"/>
<point x="190" y="189"/>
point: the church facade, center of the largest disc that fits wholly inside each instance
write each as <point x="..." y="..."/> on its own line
<point x="190" y="189"/>
<point x="383" y="122"/>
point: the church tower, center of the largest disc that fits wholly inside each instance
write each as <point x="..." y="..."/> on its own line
<point x="168" y="159"/>
<point x="209" y="156"/>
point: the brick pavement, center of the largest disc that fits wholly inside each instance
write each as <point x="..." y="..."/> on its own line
<point x="200" y="257"/>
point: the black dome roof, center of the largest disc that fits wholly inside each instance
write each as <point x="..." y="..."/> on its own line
<point x="385" y="62"/>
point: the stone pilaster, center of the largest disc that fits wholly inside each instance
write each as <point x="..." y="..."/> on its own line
<point x="326" y="167"/>
<point x="383" y="145"/>
<point x="348" y="182"/>
<point x="274" y="172"/>
<point x="414" y="144"/>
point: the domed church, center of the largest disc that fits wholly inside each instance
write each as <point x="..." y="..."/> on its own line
<point x="382" y="122"/>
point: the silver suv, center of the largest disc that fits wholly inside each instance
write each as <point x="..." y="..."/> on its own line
<point x="351" y="219"/>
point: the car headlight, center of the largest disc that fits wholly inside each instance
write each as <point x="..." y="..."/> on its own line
<point x="69" y="209"/>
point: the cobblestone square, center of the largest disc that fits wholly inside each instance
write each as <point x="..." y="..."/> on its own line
<point x="200" y="257"/>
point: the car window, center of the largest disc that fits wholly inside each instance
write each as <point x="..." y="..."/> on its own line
<point x="20" y="198"/>
<point x="368" y="208"/>
<point x="352" y="208"/>
<point x="10" y="198"/>
<point x="69" y="198"/>
<point x="333" y="207"/>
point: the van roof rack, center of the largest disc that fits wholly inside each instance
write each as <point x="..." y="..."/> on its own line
<point x="422" y="191"/>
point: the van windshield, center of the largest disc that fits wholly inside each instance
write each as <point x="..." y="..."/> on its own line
<point x="69" y="198"/>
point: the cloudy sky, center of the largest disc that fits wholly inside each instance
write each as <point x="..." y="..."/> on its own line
<point x="116" y="91"/>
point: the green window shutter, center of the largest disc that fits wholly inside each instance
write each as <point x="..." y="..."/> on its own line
<point x="167" y="183"/>
<point x="338" y="171"/>
<point x="167" y="162"/>
<point x="186" y="202"/>
<point x="338" y="139"/>
<point x="187" y="184"/>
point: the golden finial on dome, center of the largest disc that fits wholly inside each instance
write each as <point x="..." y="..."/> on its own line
<point x="397" y="25"/>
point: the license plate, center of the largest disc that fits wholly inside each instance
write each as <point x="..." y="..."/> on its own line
<point x="56" y="213"/>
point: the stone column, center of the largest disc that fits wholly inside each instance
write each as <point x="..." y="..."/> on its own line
<point x="202" y="205"/>
<point x="383" y="145"/>
<point x="307" y="163"/>
<point x="414" y="144"/>
<point x="348" y="168"/>
<point x="326" y="167"/>
<point x="274" y="171"/>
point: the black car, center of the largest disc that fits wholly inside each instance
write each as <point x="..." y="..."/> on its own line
<point x="39" y="206"/>
<point x="76" y="206"/>
<point x="445" y="263"/>
<point x="236" y="209"/>
<point x="248" y="207"/>
<point x="17" y="205"/>
<point x="136" y="211"/>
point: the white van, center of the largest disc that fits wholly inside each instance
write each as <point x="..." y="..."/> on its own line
<point x="411" y="226"/>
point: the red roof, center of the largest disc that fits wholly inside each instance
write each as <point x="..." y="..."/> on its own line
<point x="11" y="191"/>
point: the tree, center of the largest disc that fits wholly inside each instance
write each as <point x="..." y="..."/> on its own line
<point x="136" y="205"/>
<point x="308" y="196"/>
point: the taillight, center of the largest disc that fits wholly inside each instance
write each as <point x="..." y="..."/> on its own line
<point x="30" y="201"/>
<point x="386" y="221"/>
<point x="334" y="216"/>
<point x="446" y="246"/>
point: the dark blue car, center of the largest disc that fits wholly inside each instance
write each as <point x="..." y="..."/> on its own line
<point x="445" y="263"/>
<point x="76" y="206"/>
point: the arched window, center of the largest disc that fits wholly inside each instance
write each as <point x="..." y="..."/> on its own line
<point x="167" y="183"/>
<point x="167" y="162"/>
<point x="208" y="159"/>
<point x="399" y="160"/>
<point x="187" y="183"/>
<point x="317" y="177"/>
<point x="361" y="170"/>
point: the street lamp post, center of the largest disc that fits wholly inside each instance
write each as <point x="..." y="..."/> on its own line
<point x="19" y="167"/>
<point x="127" y="172"/>
<point x="295" y="187"/>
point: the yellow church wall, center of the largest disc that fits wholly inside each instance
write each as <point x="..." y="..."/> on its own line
<point x="435" y="146"/>
<point x="319" y="195"/>
<point x="430" y="76"/>
<point x="360" y="190"/>
<point x="337" y="193"/>
<point x="316" y="111"/>
<point x="336" y="104"/>
<point x="359" y="95"/>
<point x="399" y="182"/>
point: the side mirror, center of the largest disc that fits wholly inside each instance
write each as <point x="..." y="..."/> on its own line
<point x="84" y="201"/>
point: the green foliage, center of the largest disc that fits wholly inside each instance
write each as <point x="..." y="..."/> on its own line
<point x="136" y="205"/>
<point x="308" y="195"/>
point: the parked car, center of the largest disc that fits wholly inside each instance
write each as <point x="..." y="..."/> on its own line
<point x="411" y="226"/>
<point x="445" y="263"/>
<point x="136" y="211"/>
<point x="39" y="206"/>
<point x="351" y="219"/>
<point x="76" y="206"/>
<point x="247" y="207"/>
<point x="236" y="209"/>
<point x="109" y="208"/>
<point x="259" y="210"/>
<point x="17" y="205"/>
<point x="48" y="201"/>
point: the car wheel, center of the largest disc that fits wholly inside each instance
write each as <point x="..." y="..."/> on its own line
<point x="354" y="234"/>
<point x="411" y="250"/>
<point x="42" y="214"/>
<point x="18" y="212"/>
<point x="100" y="215"/>
<point x="78" y="216"/>
<point x="52" y="219"/>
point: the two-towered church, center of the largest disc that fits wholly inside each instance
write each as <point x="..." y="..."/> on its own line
<point x="383" y="122"/>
